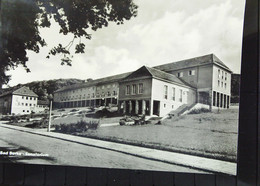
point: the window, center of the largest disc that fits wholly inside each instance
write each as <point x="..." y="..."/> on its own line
<point x="222" y="77"/>
<point x="221" y="84"/>
<point x="114" y="93"/>
<point x="30" y="104"/>
<point x="140" y="88"/>
<point x="218" y="73"/>
<point x="108" y="93"/>
<point x="165" y="91"/>
<point x="180" y="74"/>
<point x="30" y="98"/>
<point x="180" y="95"/>
<point x="134" y="89"/>
<point x="218" y="83"/>
<point x="173" y="94"/>
<point x="26" y="97"/>
<point x="127" y="89"/>
<point x="27" y="110"/>
<point x="214" y="98"/>
<point x="164" y="105"/>
<point x="22" y="97"/>
<point x="26" y="104"/>
<point x="22" y="103"/>
<point x="191" y="72"/>
<point x="225" y="76"/>
<point x="225" y="85"/>
<point x="23" y="110"/>
<point x="34" y="98"/>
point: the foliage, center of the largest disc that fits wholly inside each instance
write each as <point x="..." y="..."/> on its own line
<point x="199" y="111"/>
<point x="22" y="19"/>
<point x="80" y="126"/>
<point x="45" y="88"/>
<point x="235" y="87"/>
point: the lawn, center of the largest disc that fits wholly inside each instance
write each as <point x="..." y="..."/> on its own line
<point x="211" y="135"/>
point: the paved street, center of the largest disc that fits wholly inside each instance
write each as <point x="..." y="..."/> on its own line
<point x="69" y="153"/>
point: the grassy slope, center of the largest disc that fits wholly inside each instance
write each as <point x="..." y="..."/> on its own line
<point x="208" y="134"/>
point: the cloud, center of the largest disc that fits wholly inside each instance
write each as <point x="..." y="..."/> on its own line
<point x="161" y="33"/>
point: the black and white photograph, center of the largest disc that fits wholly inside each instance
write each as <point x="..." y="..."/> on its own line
<point x="126" y="84"/>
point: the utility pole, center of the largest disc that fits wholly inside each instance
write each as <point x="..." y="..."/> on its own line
<point x="50" y="97"/>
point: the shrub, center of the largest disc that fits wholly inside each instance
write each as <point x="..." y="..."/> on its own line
<point x="80" y="126"/>
<point x="73" y="110"/>
<point x="198" y="111"/>
<point x="43" y="123"/>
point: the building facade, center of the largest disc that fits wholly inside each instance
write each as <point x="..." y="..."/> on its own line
<point x="157" y="90"/>
<point x="208" y="74"/>
<point x="19" y="101"/>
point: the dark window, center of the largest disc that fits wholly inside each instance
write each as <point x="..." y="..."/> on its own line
<point x="165" y="91"/>
<point x="180" y="74"/>
<point x="227" y="101"/>
<point x="214" y="98"/>
<point x="127" y="89"/>
<point x="225" y="97"/>
<point x="221" y="100"/>
<point x="134" y="89"/>
<point x="217" y="99"/>
<point x="140" y="89"/>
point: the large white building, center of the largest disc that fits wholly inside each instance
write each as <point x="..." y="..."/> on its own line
<point x="19" y="101"/>
<point x="155" y="90"/>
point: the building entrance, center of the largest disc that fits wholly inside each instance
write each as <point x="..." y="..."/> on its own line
<point x="156" y="108"/>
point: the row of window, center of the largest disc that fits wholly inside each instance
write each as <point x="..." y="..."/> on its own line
<point x="86" y="89"/>
<point x="173" y="97"/>
<point x="220" y="100"/>
<point x="222" y="74"/>
<point x="222" y="84"/>
<point x="190" y="73"/>
<point x="134" y="89"/>
<point x="103" y="94"/>
<point x="28" y="98"/>
<point x="27" y="104"/>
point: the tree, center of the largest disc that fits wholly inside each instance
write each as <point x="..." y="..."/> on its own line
<point x="20" y="21"/>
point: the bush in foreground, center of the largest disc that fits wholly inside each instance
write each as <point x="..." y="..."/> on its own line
<point x="80" y="126"/>
<point x="199" y="111"/>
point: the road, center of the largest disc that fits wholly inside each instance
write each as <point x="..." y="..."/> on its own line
<point x="62" y="152"/>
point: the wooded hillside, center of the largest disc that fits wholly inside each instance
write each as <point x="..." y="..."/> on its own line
<point x="45" y="88"/>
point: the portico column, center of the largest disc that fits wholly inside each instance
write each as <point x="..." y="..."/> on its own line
<point x="143" y="107"/>
<point x="136" y="107"/>
<point x="210" y="100"/>
<point x="124" y="107"/>
<point x="130" y="107"/>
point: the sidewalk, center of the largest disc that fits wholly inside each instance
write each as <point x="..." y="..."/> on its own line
<point x="206" y="164"/>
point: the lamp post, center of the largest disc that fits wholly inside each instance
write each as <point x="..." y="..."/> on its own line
<point x="50" y="97"/>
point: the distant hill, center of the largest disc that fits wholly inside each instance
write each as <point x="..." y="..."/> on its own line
<point x="45" y="88"/>
<point x="235" y="85"/>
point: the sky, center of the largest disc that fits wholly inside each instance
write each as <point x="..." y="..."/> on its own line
<point x="163" y="32"/>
